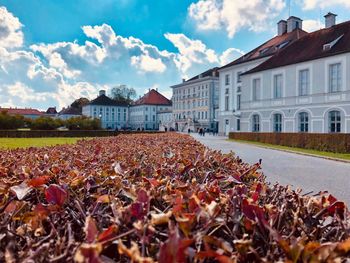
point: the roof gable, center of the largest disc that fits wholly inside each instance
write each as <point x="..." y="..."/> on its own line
<point x="153" y="97"/>
<point x="14" y="111"/>
<point x="270" y="47"/>
<point x="103" y="100"/>
<point x="310" y="47"/>
<point x="213" y="72"/>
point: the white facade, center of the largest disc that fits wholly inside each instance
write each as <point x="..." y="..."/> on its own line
<point x="195" y="103"/>
<point x="165" y="118"/>
<point x="231" y="95"/>
<point x="314" y="97"/>
<point x="146" y="116"/>
<point x="111" y="117"/>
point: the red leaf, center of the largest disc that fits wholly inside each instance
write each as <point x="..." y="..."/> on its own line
<point x="38" y="181"/>
<point x="54" y="194"/>
<point x="137" y="210"/>
<point x="91" y="230"/>
<point x="174" y="249"/>
<point x="337" y="208"/>
<point x="109" y="233"/>
<point x="142" y="196"/>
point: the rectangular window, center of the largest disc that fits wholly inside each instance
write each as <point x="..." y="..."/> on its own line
<point x="226" y="103"/>
<point x="303" y="122"/>
<point x="239" y="79"/>
<point x="227" y="79"/>
<point x="256" y="89"/>
<point x="256" y="123"/>
<point x="238" y="124"/>
<point x="238" y="102"/>
<point x="146" y="117"/>
<point x="335" y="77"/>
<point x="304" y="82"/>
<point x="206" y="115"/>
<point x="277" y="86"/>
<point x="277" y="122"/>
<point x="334" y="121"/>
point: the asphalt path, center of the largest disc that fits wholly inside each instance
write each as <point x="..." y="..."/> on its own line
<point x="300" y="171"/>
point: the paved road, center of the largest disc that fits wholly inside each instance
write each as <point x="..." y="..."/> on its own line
<point x="308" y="173"/>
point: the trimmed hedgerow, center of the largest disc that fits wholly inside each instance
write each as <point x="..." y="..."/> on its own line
<point x="158" y="197"/>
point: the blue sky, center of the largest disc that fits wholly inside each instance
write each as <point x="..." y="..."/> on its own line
<point x="54" y="51"/>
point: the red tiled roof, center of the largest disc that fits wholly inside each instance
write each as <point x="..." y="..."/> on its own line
<point x="270" y="47"/>
<point x="310" y="47"/>
<point x="153" y="97"/>
<point x="14" y="111"/>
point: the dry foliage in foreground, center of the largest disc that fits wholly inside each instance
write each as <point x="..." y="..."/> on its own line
<point x="165" y="198"/>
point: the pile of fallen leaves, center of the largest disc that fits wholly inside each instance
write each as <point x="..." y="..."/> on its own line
<point x="165" y="198"/>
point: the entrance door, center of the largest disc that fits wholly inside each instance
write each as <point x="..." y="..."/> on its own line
<point x="227" y="127"/>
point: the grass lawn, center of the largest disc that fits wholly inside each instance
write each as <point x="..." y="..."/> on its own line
<point x="344" y="156"/>
<point x="11" y="143"/>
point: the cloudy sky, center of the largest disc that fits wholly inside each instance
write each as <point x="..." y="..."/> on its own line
<point x="54" y="51"/>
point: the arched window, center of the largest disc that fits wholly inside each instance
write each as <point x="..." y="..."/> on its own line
<point x="303" y="122"/>
<point x="277" y="122"/>
<point x="256" y="123"/>
<point x="334" y="120"/>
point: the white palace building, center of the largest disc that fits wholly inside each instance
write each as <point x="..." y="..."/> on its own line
<point x="295" y="82"/>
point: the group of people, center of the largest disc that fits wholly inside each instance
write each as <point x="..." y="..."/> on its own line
<point x="201" y="131"/>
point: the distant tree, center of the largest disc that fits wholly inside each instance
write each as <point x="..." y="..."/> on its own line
<point x="45" y="123"/>
<point x="79" y="103"/>
<point x="82" y="123"/>
<point x="123" y="94"/>
<point x="11" y="121"/>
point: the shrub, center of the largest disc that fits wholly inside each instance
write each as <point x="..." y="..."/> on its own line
<point x="45" y="123"/>
<point x="165" y="198"/>
<point x="82" y="123"/>
<point x="8" y="122"/>
<point x="339" y="142"/>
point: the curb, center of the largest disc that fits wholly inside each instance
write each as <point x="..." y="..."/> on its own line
<point x="295" y="152"/>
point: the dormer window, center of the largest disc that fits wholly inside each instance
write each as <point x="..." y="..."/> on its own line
<point x="264" y="50"/>
<point x="329" y="45"/>
<point x="283" y="44"/>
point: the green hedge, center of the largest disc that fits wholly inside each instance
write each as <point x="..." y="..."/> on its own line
<point x="73" y="133"/>
<point x="339" y="142"/>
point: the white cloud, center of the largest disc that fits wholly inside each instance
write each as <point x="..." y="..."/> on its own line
<point x="25" y="94"/>
<point x="11" y="35"/>
<point x="148" y="64"/>
<point x="57" y="73"/>
<point x="311" y="25"/>
<point x="233" y="15"/>
<point x="315" y="4"/>
<point x="230" y="55"/>
<point x="192" y="54"/>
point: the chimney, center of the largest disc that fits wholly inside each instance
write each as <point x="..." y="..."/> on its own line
<point x="294" y="23"/>
<point x="282" y="27"/>
<point x="183" y="80"/>
<point x="102" y="92"/>
<point x="330" y="19"/>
